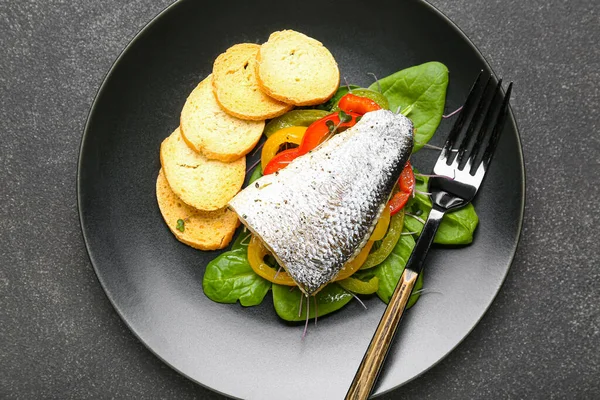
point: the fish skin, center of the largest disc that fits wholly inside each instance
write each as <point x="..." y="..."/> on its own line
<point x="318" y="212"/>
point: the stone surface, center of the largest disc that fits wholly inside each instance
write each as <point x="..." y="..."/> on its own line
<point x="61" y="338"/>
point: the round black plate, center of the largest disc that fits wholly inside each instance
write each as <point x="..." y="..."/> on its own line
<point x="155" y="282"/>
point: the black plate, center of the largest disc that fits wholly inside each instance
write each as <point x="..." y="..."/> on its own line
<point x="154" y="282"/>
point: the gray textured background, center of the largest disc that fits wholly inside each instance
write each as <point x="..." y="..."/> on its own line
<point x="59" y="335"/>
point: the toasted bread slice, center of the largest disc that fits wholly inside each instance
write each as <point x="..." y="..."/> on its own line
<point x="236" y="87"/>
<point x="201" y="183"/>
<point x="204" y="230"/>
<point x="207" y="129"/>
<point x="296" y="69"/>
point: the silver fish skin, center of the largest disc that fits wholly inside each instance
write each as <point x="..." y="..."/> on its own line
<point x="316" y="214"/>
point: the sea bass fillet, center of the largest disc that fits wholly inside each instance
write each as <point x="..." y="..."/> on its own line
<point x="316" y="214"/>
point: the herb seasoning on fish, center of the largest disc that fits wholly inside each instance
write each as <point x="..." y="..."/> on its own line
<point x="318" y="212"/>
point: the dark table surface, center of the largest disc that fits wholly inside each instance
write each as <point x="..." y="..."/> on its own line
<point x="61" y="338"/>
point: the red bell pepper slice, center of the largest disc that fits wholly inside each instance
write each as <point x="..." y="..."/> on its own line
<point x="351" y="103"/>
<point x="406" y="182"/>
<point x="319" y="130"/>
<point x="281" y="160"/>
<point x="407" y="179"/>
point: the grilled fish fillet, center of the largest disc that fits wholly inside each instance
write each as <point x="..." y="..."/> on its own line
<point x="316" y="214"/>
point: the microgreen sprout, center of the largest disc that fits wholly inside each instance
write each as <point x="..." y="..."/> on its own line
<point x="433" y="147"/>
<point x="359" y="300"/>
<point x="376" y="80"/>
<point x="180" y="225"/>
<point x="251" y="168"/>
<point x="347" y="85"/>
<point x="421" y="220"/>
<point x="432" y="176"/>
<point x="453" y="112"/>
<point x="408" y="233"/>
<point x="307" y="316"/>
<point x="243" y="242"/>
<point x="407" y="110"/>
<point x="258" y="148"/>
<point x="425" y="291"/>
<point x="344" y="117"/>
<point x="277" y="273"/>
<point x="331" y="126"/>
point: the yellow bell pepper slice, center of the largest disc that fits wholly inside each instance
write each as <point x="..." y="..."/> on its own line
<point x="354" y="265"/>
<point x="293" y="134"/>
<point x="388" y="243"/>
<point x="256" y="254"/>
<point x="361" y="287"/>
<point x="382" y="225"/>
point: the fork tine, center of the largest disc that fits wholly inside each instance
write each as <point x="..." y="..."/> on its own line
<point x="499" y="125"/>
<point x="460" y="121"/>
<point x="485" y="126"/>
<point x="481" y="112"/>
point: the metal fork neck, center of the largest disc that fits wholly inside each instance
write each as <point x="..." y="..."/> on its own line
<point x="417" y="258"/>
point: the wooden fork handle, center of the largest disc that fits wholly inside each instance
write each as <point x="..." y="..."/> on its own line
<point x="369" y="368"/>
<point x="365" y="378"/>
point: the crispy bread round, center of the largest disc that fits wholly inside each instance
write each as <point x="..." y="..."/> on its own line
<point x="209" y="130"/>
<point x="236" y="87"/>
<point x="201" y="183"/>
<point x="204" y="230"/>
<point x="296" y="69"/>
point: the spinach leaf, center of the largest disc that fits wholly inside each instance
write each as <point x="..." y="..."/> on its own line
<point x="390" y="270"/>
<point x="457" y="227"/>
<point x="257" y="173"/>
<point x="328" y="105"/>
<point x="416" y="291"/>
<point x="241" y="241"/>
<point x="229" y="278"/>
<point x="423" y="88"/>
<point x="243" y="238"/>
<point x="329" y="299"/>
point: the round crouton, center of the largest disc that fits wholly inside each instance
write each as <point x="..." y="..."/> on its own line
<point x="296" y="69"/>
<point x="201" y="183"/>
<point x="236" y="87"/>
<point x="209" y="130"/>
<point x="204" y="230"/>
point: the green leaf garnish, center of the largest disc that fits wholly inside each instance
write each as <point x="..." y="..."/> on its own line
<point x="344" y="117"/>
<point x="229" y="278"/>
<point x="180" y="225"/>
<point x="421" y="91"/>
<point x="330" y="125"/>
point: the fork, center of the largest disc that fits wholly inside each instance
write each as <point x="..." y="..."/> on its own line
<point x="453" y="186"/>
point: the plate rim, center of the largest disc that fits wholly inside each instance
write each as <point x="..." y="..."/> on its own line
<point x="107" y="292"/>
